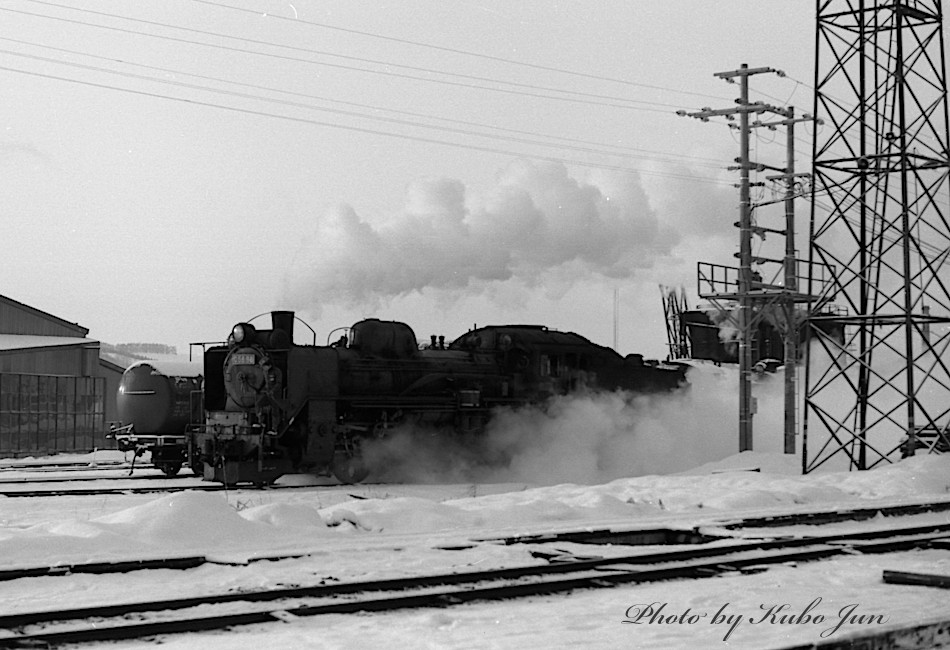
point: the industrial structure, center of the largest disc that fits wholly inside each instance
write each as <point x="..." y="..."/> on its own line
<point x="879" y="228"/>
<point x="56" y="394"/>
<point x="877" y="384"/>
<point x="698" y="333"/>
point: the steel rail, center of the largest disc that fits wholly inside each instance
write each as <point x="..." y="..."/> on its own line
<point x="546" y="579"/>
<point x="29" y="480"/>
<point x="85" y="492"/>
<point x="650" y="536"/>
<point x="851" y="514"/>
<point x="122" y="566"/>
<point x="924" y="635"/>
<point x="70" y="466"/>
<point x="203" y="487"/>
<point x="711" y="530"/>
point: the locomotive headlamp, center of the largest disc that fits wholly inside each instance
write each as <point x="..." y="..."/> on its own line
<point x="243" y="334"/>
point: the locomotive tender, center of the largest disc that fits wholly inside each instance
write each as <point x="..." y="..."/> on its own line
<point x="273" y="407"/>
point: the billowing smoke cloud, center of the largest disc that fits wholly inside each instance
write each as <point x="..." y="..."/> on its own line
<point x="591" y="438"/>
<point x="536" y="220"/>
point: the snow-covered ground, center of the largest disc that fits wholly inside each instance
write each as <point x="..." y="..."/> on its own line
<point x="384" y="530"/>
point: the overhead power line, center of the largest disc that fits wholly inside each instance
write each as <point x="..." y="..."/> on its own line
<point x="453" y="50"/>
<point x="587" y="145"/>
<point x="571" y="95"/>
<point x="574" y="147"/>
<point x="575" y="143"/>
<point x="302" y="120"/>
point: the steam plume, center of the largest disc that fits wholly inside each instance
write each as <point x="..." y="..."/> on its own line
<point x="535" y="220"/>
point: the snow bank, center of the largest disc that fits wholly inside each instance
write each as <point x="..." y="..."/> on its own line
<point x="184" y="523"/>
<point x="189" y="523"/>
<point x="638" y="498"/>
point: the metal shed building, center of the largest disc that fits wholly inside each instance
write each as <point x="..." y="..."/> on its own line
<point x="54" y="391"/>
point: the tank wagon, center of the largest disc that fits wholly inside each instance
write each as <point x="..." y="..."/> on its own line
<point x="156" y="403"/>
<point x="273" y="407"/>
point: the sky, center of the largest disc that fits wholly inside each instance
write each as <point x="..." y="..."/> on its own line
<point x="172" y="168"/>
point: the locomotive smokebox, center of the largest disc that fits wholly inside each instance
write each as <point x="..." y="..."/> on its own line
<point x="283" y="320"/>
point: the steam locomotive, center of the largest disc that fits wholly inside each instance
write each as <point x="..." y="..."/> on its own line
<point x="272" y="407"/>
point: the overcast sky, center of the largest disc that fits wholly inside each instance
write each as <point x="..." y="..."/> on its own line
<point x="170" y="168"/>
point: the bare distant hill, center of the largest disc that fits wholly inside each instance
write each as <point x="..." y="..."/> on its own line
<point x="125" y="354"/>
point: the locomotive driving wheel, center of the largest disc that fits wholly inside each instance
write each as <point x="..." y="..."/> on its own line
<point x="170" y="469"/>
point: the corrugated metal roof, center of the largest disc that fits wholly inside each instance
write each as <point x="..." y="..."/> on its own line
<point x="10" y="342"/>
<point x="19" y="306"/>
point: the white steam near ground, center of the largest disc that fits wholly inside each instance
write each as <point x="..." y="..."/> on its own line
<point x="590" y="438"/>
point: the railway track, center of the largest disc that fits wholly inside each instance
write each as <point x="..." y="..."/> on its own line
<point x="720" y="529"/>
<point x="8" y="466"/>
<point x="30" y="480"/>
<point x="219" y="611"/>
<point x="21" y="486"/>
<point x="101" y="491"/>
<point x="145" y="489"/>
<point x="849" y="514"/>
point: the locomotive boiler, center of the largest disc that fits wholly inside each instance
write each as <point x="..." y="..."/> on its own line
<point x="156" y="402"/>
<point x="273" y="407"/>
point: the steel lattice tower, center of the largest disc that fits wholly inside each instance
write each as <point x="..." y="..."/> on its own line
<point x="877" y="379"/>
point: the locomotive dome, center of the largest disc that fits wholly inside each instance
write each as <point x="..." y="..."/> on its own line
<point x="383" y="338"/>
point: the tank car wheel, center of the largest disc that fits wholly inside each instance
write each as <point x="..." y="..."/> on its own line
<point x="349" y="469"/>
<point x="170" y="469"/>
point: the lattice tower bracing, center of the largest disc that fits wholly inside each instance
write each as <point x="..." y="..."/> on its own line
<point x="877" y="378"/>
<point x="674" y="306"/>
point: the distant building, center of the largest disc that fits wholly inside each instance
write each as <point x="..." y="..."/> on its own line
<point x="706" y="342"/>
<point x="56" y="394"/>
